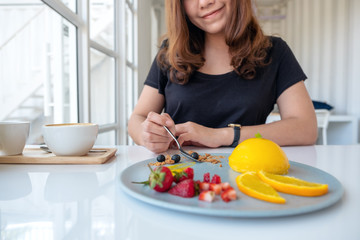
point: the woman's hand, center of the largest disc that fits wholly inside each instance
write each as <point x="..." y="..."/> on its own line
<point x="154" y="136"/>
<point x="145" y="125"/>
<point x="190" y="133"/>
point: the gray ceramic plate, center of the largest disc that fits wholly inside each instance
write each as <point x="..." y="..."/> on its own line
<point x="245" y="206"/>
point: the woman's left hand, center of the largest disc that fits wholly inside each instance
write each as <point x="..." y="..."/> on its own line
<point x="191" y="133"/>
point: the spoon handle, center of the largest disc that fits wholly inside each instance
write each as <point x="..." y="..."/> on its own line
<point x="172" y="135"/>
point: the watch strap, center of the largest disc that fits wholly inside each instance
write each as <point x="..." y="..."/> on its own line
<point x="236" y="128"/>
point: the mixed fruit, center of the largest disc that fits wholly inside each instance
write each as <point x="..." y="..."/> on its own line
<point x="182" y="184"/>
<point x="260" y="162"/>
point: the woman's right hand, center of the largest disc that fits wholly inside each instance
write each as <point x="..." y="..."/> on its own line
<point x="154" y="136"/>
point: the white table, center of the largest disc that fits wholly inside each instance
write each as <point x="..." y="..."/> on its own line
<point x="85" y="202"/>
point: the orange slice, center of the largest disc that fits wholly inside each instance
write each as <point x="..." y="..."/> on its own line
<point x="250" y="184"/>
<point x="292" y="185"/>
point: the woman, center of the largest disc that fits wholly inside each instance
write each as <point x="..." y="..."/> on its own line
<point x="216" y="68"/>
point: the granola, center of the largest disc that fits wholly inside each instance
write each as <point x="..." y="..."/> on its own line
<point x="167" y="161"/>
<point x="207" y="157"/>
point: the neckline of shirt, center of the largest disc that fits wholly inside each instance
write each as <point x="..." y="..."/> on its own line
<point x="214" y="76"/>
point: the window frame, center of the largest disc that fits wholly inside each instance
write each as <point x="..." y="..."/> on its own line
<point x="124" y="99"/>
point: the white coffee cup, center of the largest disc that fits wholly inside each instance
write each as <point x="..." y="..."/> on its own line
<point x="13" y="136"/>
<point x="70" y="139"/>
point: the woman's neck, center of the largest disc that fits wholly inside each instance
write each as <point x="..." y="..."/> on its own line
<point x="216" y="41"/>
<point x="216" y="54"/>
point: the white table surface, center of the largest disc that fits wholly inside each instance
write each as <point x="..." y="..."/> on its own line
<point x="85" y="202"/>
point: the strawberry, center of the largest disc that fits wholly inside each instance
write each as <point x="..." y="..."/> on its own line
<point x="190" y="172"/>
<point x="216" y="188"/>
<point x="207" y="177"/>
<point x="216" y="179"/>
<point x="225" y="186"/>
<point x="185" y="189"/>
<point x="228" y="195"/>
<point x="207" y="196"/>
<point x="187" y="173"/>
<point x="160" y="179"/>
<point x="203" y="186"/>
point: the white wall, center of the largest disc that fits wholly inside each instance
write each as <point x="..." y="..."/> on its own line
<point x="325" y="37"/>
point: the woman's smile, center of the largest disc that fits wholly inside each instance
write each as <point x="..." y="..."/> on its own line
<point x="209" y="16"/>
<point x="213" y="13"/>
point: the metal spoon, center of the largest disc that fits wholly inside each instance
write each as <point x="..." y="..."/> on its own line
<point x="46" y="149"/>
<point x="182" y="151"/>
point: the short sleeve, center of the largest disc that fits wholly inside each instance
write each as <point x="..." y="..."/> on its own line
<point x="156" y="78"/>
<point x="289" y="69"/>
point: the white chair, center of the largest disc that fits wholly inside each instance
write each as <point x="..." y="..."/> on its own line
<point x="322" y="116"/>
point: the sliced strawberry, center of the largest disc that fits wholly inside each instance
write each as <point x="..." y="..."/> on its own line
<point x="207" y="177"/>
<point x="203" y="186"/>
<point x="216" y="188"/>
<point x="187" y="173"/>
<point x="216" y="179"/>
<point x="228" y="195"/>
<point x="207" y="196"/>
<point x="185" y="189"/>
<point x="225" y="186"/>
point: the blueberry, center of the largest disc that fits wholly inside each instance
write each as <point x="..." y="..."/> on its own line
<point x="195" y="155"/>
<point x="176" y="158"/>
<point x="160" y="158"/>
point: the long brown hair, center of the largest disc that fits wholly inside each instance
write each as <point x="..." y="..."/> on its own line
<point x="182" y="51"/>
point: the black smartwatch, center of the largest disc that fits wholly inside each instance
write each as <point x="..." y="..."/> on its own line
<point x="236" y="128"/>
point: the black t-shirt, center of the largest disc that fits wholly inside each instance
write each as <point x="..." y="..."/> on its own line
<point x="217" y="100"/>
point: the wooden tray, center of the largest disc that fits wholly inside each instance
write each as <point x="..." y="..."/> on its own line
<point x="38" y="156"/>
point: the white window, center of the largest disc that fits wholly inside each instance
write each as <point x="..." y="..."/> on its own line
<point x="69" y="61"/>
